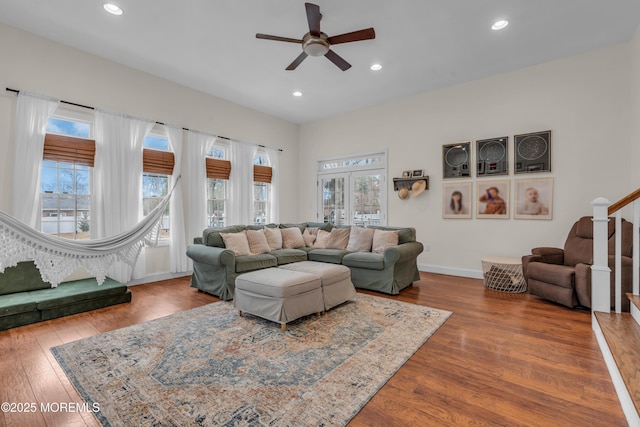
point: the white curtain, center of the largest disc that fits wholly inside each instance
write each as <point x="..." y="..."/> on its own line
<point x="32" y="113"/>
<point x="116" y="202"/>
<point x="178" y="244"/>
<point x="241" y="184"/>
<point x="274" y="205"/>
<point x="198" y="144"/>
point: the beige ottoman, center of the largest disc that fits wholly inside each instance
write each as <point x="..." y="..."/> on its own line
<point x="278" y="295"/>
<point x="336" y="280"/>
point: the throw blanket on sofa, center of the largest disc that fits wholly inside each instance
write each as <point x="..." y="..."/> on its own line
<point x="57" y="258"/>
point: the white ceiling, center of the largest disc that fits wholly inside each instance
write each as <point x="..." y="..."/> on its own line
<point x="210" y="45"/>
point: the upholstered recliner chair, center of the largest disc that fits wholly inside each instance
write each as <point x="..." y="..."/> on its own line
<point x="564" y="275"/>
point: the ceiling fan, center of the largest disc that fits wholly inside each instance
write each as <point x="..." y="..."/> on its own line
<point x="317" y="43"/>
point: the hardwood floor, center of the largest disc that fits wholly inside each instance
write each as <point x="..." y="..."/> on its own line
<point x="500" y="360"/>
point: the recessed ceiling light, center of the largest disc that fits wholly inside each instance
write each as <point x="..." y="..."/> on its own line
<point x="376" y="67"/>
<point x="499" y="25"/>
<point x="297" y="93"/>
<point x="112" y="8"/>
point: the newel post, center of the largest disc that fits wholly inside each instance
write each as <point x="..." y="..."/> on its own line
<point x="600" y="271"/>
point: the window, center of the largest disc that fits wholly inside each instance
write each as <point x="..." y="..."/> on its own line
<point x="157" y="166"/>
<point x="218" y="172"/>
<point x="66" y="174"/>
<point x="352" y="190"/>
<point x="261" y="188"/>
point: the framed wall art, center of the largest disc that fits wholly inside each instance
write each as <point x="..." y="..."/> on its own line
<point x="532" y="152"/>
<point x="492" y="156"/>
<point x="533" y="198"/>
<point x="457" y="200"/>
<point x="456" y="160"/>
<point x="492" y="199"/>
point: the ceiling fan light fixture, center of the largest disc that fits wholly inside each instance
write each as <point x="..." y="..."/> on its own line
<point x="376" y="67"/>
<point x="297" y="93"/>
<point x="315" y="46"/>
<point x="113" y="9"/>
<point x="500" y="25"/>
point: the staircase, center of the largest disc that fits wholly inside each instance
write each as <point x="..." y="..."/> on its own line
<point x="618" y="333"/>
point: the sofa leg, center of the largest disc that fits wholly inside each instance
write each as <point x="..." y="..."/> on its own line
<point x="283" y="327"/>
<point x="239" y="313"/>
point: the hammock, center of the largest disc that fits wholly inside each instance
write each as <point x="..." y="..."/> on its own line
<point x="57" y="258"/>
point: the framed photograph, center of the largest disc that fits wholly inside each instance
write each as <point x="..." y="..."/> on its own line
<point x="492" y="199"/>
<point x="532" y="152"/>
<point x="456" y="160"/>
<point x="534" y="198"/>
<point x="416" y="173"/>
<point x="406" y="174"/>
<point x="492" y="156"/>
<point x="457" y="200"/>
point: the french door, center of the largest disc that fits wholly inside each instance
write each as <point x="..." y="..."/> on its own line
<point x="356" y="198"/>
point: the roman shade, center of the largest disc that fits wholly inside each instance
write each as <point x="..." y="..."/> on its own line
<point x="67" y="149"/>
<point x="262" y="173"/>
<point x="217" y="168"/>
<point x="156" y="161"/>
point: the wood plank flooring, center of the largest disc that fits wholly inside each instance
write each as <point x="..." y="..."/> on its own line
<point x="500" y="360"/>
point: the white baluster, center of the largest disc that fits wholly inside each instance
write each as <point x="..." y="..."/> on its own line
<point x="600" y="271"/>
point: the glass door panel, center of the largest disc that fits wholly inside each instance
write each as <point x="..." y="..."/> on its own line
<point x="366" y="199"/>
<point x="333" y="208"/>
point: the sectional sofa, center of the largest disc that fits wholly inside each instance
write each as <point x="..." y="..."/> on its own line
<point x="25" y="298"/>
<point x="382" y="259"/>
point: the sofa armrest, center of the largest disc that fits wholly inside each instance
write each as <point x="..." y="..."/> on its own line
<point x="549" y="255"/>
<point x="402" y="252"/>
<point x="209" y="254"/>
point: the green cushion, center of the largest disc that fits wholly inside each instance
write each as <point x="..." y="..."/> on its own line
<point x="211" y="236"/>
<point x="76" y="291"/>
<point x="86" y="305"/>
<point x="301" y="226"/>
<point x="333" y="256"/>
<point x="23" y="277"/>
<point x="20" y="319"/>
<point x="255" y="262"/>
<point x="20" y="302"/>
<point x="368" y="260"/>
<point x="287" y="256"/>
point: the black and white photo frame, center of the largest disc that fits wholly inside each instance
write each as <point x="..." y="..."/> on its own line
<point x="456" y="160"/>
<point x="492" y="157"/>
<point x="532" y="152"/>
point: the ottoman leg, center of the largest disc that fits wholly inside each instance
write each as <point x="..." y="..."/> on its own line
<point x="283" y="326"/>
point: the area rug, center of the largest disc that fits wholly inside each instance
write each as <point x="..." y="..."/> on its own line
<point x="209" y="367"/>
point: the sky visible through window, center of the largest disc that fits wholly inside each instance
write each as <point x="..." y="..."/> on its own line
<point x="68" y="127"/>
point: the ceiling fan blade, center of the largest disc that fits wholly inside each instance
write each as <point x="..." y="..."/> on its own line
<point x="354" y="36"/>
<point x="297" y="61"/>
<point x="313" y="16"/>
<point x="337" y="59"/>
<point x="277" y="38"/>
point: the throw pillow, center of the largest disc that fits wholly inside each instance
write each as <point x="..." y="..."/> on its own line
<point x="236" y="242"/>
<point x="360" y="239"/>
<point x="309" y="238"/>
<point x="257" y="242"/>
<point x="292" y="238"/>
<point x="338" y="238"/>
<point x="274" y="238"/>
<point x="382" y="239"/>
<point x="321" y="239"/>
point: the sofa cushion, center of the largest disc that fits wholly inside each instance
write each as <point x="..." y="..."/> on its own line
<point x="211" y="236"/>
<point x="368" y="260"/>
<point x="23" y="277"/>
<point x="322" y="238"/>
<point x="333" y="256"/>
<point x="383" y="239"/>
<point x="20" y="302"/>
<point x="559" y="275"/>
<point x="405" y="234"/>
<point x="292" y="238"/>
<point x="257" y="242"/>
<point x="287" y="256"/>
<point x="309" y="236"/>
<point x="274" y="238"/>
<point x="326" y="226"/>
<point x="300" y="226"/>
<point x="236" y="242"/>
<point x="78" y="290"/>
<point x="255" y="262"/>
<point x="360" y="239"/>
<point x="338" y="238"/>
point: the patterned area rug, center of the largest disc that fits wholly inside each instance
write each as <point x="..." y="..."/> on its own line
<point x="208" y="367"/>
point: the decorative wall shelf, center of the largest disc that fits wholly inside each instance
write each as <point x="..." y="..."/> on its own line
<point x="399" y="183"/>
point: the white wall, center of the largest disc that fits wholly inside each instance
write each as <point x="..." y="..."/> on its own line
<point x="38" y="65"/>
<point x="635" y="109"/>
<point x="583" y="100"/>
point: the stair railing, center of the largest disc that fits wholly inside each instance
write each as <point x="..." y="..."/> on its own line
<point x="600" y="271"/>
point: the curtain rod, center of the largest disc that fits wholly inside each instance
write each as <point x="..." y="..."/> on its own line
<point x="16" y="91"/>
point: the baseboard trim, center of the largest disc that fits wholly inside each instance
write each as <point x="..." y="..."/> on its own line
<point x="158" y="277"/>
<point x="451" y="271"/>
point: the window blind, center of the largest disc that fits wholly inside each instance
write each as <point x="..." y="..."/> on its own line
<point x="156" y="161"/>
<point x="67" y="149"/>
<point x="217" y="168"/>
<point x="262" y="173"/>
